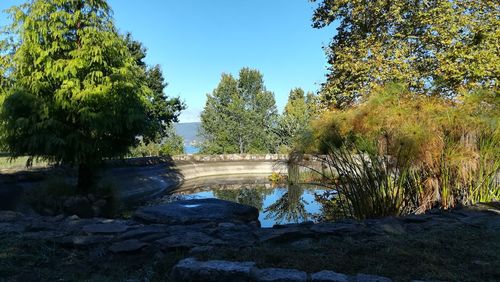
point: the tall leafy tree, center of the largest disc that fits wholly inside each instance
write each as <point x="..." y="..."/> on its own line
<point x="239" y="116"/>
<point x="296" y="117"/>
<point x="163" y="109"/>
<point x="77" y="94"/>
<point x="441" y="47"/>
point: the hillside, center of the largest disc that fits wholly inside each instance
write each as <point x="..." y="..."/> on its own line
<point x="189" y="131"/>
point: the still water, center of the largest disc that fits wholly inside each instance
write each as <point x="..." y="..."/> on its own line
<point x="280" y="204"/>
<point x="188" y="149"/>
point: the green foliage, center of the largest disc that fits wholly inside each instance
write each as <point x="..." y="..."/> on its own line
<point x="144" y="149"/>
<point x="368" y="186"/>
<point x="452" y="144"/>
<point x="49" y="197"/>
<point x="289" y="208"/>
<point x="77" y="94"/>
<point x="294" y="123"/>
<point x="276" y="178"/>
<point x="253" y="196"/>
<point x="239" y="116"/>
<point x="162" y="110"/>
<point x="445" y="48"/>
<point x="172" y="145"/>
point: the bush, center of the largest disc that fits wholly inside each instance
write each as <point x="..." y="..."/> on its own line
<point x="368" y="186"/>
<point x="58" y="196"/>
<point x="452" y="145"/>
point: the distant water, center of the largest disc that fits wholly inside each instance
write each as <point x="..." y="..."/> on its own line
<point x="191" y="149"/>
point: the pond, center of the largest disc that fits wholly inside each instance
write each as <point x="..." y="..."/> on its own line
<point x="281" y="204"/>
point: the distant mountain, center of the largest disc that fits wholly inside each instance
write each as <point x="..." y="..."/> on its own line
<point x="189" y="131"/>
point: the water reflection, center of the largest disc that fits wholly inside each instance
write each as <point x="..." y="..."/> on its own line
<point x="277" y="205"/>
<point x="290" y="207"/>
<point x="245" y="195"/>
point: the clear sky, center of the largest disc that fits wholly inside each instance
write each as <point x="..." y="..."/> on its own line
<point x="195" y="41"/>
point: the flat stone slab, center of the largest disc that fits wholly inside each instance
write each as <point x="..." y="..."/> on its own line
<point x="190" y="269"/>
<point x="142" y="232"/>
<point x="185" y="240"/>
<point x="197" y="210"/>
<point x="105" y="228"/>
<point x="7" y="216"/>
<point x="329" y="276"/>
<point x="279" y="275"/>
<point x="370" y="278"/>
<point x="127" y="246"/>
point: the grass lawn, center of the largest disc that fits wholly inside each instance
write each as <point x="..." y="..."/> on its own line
<point x="6" y="163"/>
<point x="446" y="253"/>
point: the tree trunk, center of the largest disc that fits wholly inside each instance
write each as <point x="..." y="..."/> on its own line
<point x="84" y="179"/>
<point x="240" y="141"/>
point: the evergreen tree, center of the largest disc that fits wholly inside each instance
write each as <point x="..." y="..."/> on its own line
<point x="77" y="95"/>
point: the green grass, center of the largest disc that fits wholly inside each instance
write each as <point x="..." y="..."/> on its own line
<point x="24" y="259"/>
<point x="447" y="252"/>
<point x="450" y="253"/>
<point x="6" y="163"/>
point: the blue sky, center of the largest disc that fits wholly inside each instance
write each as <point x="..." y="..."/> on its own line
<point x="195" y="41"/>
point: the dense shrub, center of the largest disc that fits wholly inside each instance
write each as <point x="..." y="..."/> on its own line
<point x="451" y="144"/>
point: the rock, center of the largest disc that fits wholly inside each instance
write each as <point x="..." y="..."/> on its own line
<point x="393" y="229"/>
<point x="191" y="269"/>
<point x="84" y="241"/>
<point x="7" y="216"/>
<point x="279" y="275"/>
<point x="56" y="218"/>
<point x="370" y="278"/>
<point x="281" y="234"/>
<point x="416" y="218"/>
<point x="329" y="276"/>
<point x="239" y="238"/>
<point x="91" y="198"/>
<point x="201" y="250"/>
<point x="127" y="246"/>
<point x="105" y="228"/>
<point x="143" y="231"/>
<point x="197" y="210"/>
<point x="153" y="237"/>
<point x="303" y="243"/>
<point x="226" y="225"/>
<point x="78" y="205"/>
<point x="185" y="240"/>
<point x="11" y="227"/>
<point x="10" y="196"/>
<point x="336" y="228"/>
<point x="100" y="203"/>
<point x="38" y="225"/>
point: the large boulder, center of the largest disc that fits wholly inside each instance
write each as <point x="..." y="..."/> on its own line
<point x="196" y="211"/>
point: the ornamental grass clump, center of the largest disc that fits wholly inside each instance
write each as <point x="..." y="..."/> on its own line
<point x="445" y="150"/>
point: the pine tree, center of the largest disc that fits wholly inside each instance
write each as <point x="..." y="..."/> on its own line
<point x="77" y="96"/>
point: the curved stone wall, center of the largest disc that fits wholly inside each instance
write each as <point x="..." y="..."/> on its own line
<point x="192" y="169"/>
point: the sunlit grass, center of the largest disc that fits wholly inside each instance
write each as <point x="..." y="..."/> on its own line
<point x="8" y="163"/>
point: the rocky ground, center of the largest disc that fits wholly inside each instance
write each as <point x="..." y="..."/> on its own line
<point x="213" y="239"/>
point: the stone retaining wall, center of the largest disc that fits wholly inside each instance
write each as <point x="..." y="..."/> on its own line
<point x="192" y="170"/>
<point x="231" y="157"/>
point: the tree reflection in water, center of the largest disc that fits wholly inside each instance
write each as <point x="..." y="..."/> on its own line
<point x="252" y="196"/>
<point x="289" y="208"/>
<point x="277" y="205"/>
